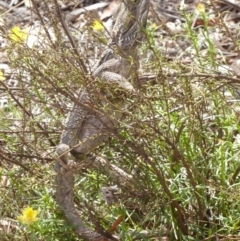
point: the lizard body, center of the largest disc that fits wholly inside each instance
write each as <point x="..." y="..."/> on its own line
<point x="113" y="68"/>
<point x="85" y="129"/>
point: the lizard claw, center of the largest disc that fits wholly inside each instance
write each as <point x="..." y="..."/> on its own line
<point x="64" y="160"/>
<point x="62" y="150"/>
<point x="127" y="86"/>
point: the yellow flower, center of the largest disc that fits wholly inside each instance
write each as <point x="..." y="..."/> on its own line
<point x="29" y="216"/>
<point x="17" y="35"/>
<point x="97" y="25"/>
<point x="154" y="25"/>
<point x="200" y="8"/>
<point x="1" y="76"/>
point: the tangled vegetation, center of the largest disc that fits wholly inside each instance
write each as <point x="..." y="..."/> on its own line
<point x="178" y="139"/>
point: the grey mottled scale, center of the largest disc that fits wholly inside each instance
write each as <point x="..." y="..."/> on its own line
<point x="85" y="127"/>
<point x="83" y="130"/>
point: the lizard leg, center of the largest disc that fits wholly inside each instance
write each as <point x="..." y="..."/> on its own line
<point x="118" y="80"/>
<point x="114" y="71"/>
<point x="92" y="132"/>
<point x="85" y="129"/>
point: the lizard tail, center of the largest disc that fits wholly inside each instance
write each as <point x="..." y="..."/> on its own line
<point x="65" y="197"/>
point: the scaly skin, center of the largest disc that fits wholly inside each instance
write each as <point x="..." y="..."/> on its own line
<point x="85" y="129"/>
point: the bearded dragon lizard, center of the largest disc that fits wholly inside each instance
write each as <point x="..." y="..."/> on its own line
<point x="86" y="128"/>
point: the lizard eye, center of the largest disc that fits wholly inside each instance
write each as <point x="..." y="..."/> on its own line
<point x="134" y="1"/>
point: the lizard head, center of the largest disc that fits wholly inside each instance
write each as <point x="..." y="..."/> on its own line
<point x="130" y="17"/>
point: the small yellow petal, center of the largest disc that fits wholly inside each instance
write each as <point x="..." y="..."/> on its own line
<point x="154" y="25"/>
<point x="17" y="35"/>
<point x="200" y="8"/>
<point x="97" y="25"/>
<point x="28" y="216"/>
<point x="1" y="76"/>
